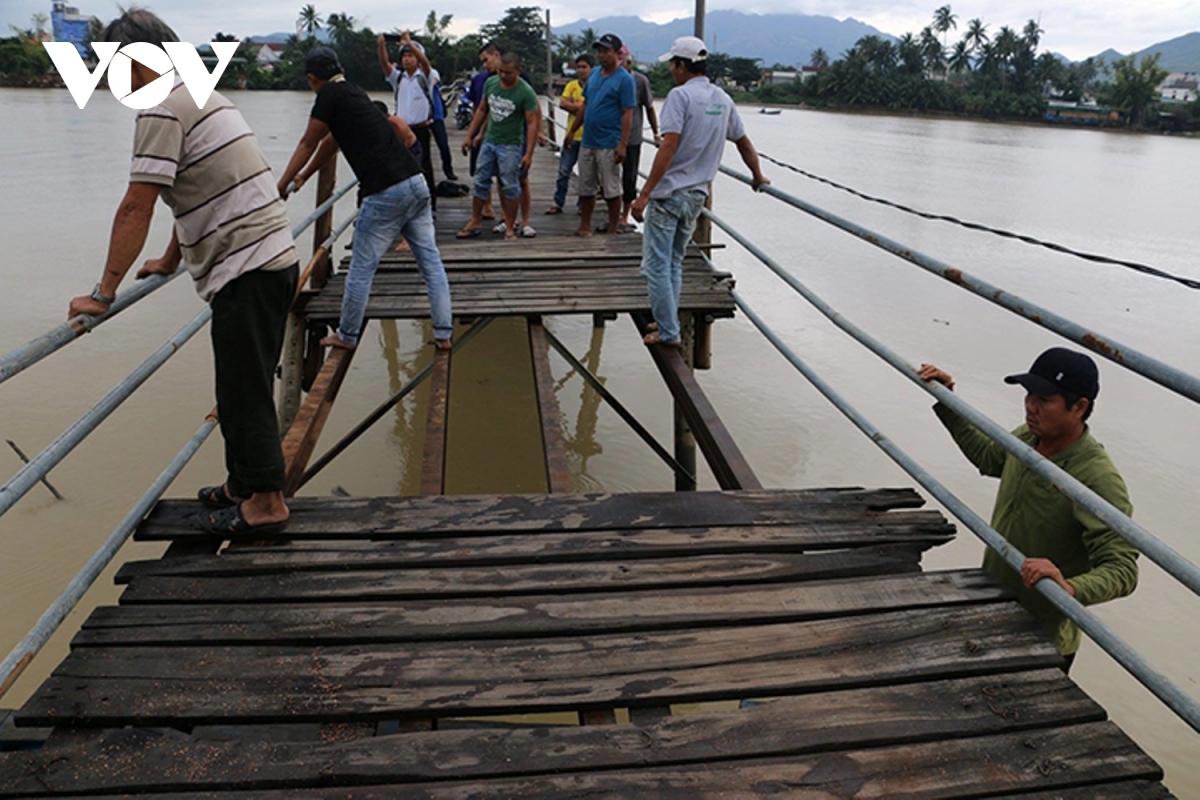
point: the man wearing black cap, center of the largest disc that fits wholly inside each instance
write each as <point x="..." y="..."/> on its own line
<point x="606" y="116"/>
<point x="395" y="196"/>
<point x="1061" y="540"/>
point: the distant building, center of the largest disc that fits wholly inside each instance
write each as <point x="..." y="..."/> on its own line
<point x="1179" y="87"/>
<point x="268" y="54"/>
<point x="1080" y="113"/>
<point x="807" y="73"/>
<point x="70" y="26"/>
<point x="779" y="77"/>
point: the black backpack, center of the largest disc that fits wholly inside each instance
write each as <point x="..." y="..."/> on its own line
<point x="452" y="189"/>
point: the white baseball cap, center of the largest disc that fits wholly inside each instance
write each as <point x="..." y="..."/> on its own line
<point x="688" y="47"/>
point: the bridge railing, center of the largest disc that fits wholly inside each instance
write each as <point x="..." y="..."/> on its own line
<point x="40" y="465"/>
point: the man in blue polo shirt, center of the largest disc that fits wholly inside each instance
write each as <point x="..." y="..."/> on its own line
<point x="606" y="115"/>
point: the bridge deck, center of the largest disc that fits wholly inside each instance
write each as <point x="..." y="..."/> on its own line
<point x="402" y="646"/>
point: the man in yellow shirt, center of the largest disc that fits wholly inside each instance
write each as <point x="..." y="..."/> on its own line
<point x="571" y="101"/>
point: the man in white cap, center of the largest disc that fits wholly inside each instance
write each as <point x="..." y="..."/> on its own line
<point x="696" y="119"/>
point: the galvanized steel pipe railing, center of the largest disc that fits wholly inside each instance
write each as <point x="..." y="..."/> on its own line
<point x="33" y="351"/>
<point x="1175" y="698"/>
<point x="1155" y="549"/>
<point x="29" y="646"/>
<point x="30" y="474"/>
<point x="1151" y="368"/>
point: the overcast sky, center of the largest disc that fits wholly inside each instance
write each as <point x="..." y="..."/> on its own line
<point x="1075" y="29"/>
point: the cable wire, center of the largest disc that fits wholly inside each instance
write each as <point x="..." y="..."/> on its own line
<point x="976" y="226"/>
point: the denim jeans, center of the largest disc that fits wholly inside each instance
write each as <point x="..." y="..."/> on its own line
<point x="669" y="225"/>
<point x="498" y="160"/>
<point x="402" y="208"/>
<point x="566" y="162"/>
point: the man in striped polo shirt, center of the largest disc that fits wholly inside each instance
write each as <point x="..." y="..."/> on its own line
<point x="231" y="230"/>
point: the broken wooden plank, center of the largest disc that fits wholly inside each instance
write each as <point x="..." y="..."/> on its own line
<point x="910" y="530"/>
<point x="353" y="517"/>
<point x="535" y="616"/>
<point x="174" y="686"/>
<point x="290" y="586"/>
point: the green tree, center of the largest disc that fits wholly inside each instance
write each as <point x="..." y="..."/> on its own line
<point x="960" y="59"/>
<point x="819" y="59"/>
<point x="1135" y="86"/>
<point x="976" y="36"/>
<point x="522" y="29"/>
<point x="944" y="21"/>
<point x="22" y="58"/>
<point x="309" y="20"/>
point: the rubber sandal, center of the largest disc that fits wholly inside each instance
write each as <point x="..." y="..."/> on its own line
<point x="230" y="522"/>
<point x="499" y="228"/>
<point x="215" y="497"/>
<point x="469" y="234"/>
<point x="528" y="232"/>
<point x="553" y="210"/>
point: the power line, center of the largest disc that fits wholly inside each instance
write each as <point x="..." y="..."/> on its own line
<point x="975" y="226"/>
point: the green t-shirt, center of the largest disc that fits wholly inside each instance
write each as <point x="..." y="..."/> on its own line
<point x="1042" y="522"/>
<point x="506" y="110"/>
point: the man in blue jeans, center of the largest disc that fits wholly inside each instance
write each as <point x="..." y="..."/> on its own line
<point x="571" y="102"/>
<point x="395" y="197"/>
<point x="696" y="119"/>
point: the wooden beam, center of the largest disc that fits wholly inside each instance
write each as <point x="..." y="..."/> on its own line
<point x="722" y="453"/>
<point x="433" y="474"/>
<point x="302" y="437"/>
<point x="558" y="476"/>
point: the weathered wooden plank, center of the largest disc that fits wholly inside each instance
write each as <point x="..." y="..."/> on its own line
<point x="1095" y="754"/>
<point x="558" y="475"/>
<point x="375" y="517"/>
<point x="302" y="437"/>
<point x="913" y="530"/>
<point x="538" y="615"/>
<point x="288" y="586"/>
<point x="433" y="470"/>
<point x="175" y="686"/>
<point x="1122" y="790"/>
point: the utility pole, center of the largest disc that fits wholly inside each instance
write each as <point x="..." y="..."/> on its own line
<point x="699" y="19"/>
<point x="553" y="134"/>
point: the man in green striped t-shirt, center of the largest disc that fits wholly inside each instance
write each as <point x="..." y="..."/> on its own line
<point x="231" y="229"/>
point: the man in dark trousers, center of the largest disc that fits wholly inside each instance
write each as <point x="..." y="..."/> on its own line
<point x="1061" y="540"/>
<point x="395" y="197"/>
<point x="232" y="231"/>
<point x="413" y="88"/>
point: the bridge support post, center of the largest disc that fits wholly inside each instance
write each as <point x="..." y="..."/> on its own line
<point x="685" y="442"/>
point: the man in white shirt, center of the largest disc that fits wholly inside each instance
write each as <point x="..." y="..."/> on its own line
<point x="413" y="88"/>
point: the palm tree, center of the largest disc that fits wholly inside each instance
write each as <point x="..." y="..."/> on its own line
<point x="341" y="26"/>
<point x="569" y="45"/>
<point x="944" y="21"/>
<point x="912" y="59"/>
<point x="1006" y="46"/>
<point x="587" y="38"/>
<point x="1033" y="34"/>
<point x="960" y="58"/>
<point x="1135" y="85"/>
<point x="309" y="21"/>
<point x="976" y="36"/>
<point x="932" y="54"/>
<point x="819" y="59"/>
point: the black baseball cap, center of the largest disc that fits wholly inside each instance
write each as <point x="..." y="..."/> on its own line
<point x="323" y="62"/>
<point x="609" y="40"/>
<point x="1061" y="371"/>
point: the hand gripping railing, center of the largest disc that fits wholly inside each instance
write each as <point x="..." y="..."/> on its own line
<point x="33" y="351"/>
<point x="1154" y="549"/>
<point x="1164" y="374"/>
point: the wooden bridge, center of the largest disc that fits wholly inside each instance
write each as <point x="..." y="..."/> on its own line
<point x="564" y="644"/>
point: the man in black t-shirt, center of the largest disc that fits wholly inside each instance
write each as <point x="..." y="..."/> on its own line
<point x="395" y="197"/>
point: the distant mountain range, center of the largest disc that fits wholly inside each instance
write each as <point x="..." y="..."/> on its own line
<point x="1181" y="54"/>
<point x="775" y="38"/>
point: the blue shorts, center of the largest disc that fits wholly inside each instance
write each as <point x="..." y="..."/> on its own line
<point x="502" y="161"/>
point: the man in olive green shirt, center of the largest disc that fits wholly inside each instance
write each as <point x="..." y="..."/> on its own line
<point x="1061" y="540"/>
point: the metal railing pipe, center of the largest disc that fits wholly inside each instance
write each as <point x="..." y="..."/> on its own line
<point x="1175" y="698"/>
<point x="61" y="335"/>
<point x="41" y="464"/>
<point x="29" y="646"/>
<point x="33" y="351"/>
<point x="1155" y="549"/>
<point x="1151" y="368"/>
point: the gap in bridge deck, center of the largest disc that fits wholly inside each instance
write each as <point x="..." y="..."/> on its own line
<point x="493" y="438"/>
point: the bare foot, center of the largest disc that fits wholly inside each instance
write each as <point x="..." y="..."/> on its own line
<point x="583" y="232"/>
<point x="443" y="344"/>
<point x="402" y="247"/>
<point x="653" y="326"/>
<point x="654" y="338"/>
<point x="333" y="340"/>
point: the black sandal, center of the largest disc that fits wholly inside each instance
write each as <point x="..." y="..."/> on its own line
<point x="215" y="497"/>
<point x="229" y="521"/>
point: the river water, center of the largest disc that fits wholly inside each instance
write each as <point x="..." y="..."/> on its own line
<point x="1127" y="196"/>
